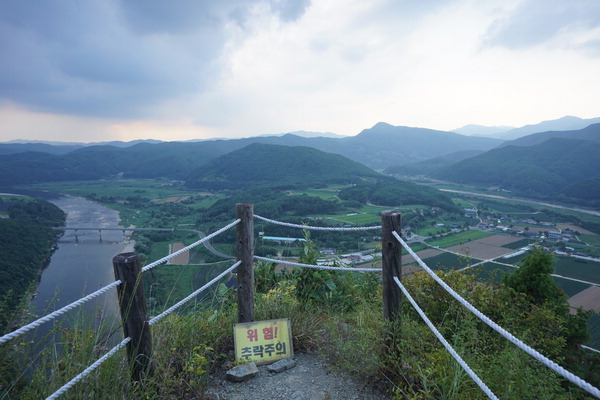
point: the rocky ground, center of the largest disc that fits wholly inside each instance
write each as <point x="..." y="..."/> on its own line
<point x="310" y="379"/>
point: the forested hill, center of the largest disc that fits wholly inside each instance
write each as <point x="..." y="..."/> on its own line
<point x="379" y="147"/>
<point x="561" y="169"/>
<point x="27" y="240"/>
<point x="277" y="166"/>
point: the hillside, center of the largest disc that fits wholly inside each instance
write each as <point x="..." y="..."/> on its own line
<point x="557" y="168"/>
<point x="429" y="167"/>
<point x="278" y="166"/>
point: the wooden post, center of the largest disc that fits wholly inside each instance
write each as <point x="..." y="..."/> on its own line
<point x="391" y="266"/>
<point x="244" y="250"/>
<point x="132" y="303"/>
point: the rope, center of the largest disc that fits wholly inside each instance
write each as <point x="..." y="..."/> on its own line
<point x="441" y="338"/>
<point x="88" y="370"/>
<point x="533" y="353"/>
<point x="191" y="246"/>
<point x="57" y="313"/>
<point x="316" y="228"/>
<point x="317" y="266"/>
<point x="194" y="294"/>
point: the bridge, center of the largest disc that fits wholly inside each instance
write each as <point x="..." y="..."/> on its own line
<point x="87" y="228"/>
<point x="100" y="229"/>
<point x="137" y="324"/>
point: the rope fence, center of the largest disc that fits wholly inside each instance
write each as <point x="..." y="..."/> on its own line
<point x="441" y="338"/>
<point x="194" y="294"/>
<point x="191" y="246"/>
<point x="318" y="228"/>
<point x="324" y="267"/>
<point x="533" y="353"/>
<point x="390" y="274"/>
<point x="57" y="313"/>
<point x="88" y="370"/>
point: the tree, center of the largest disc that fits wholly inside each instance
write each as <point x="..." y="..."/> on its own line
<point x="534" y="278"/>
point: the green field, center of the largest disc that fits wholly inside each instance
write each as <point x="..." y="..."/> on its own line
<point x="167" y="284"/>
<point x="594" y="324"/>
<point x="355" y="219"/>
<point x="571" y="288"/>
<point x="513" y="260"/>
<point x="592" y="240"/>
<point x="576" y="268"/>
<point x="519" y="244"/>
<point x="458" y="238"/>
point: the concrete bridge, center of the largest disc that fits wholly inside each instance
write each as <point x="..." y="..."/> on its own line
<point x="100" y="229"/>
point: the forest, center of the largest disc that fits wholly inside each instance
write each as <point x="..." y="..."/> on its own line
<point x="27" y="242"/>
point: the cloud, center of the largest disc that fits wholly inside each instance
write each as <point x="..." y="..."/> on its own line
<point x="117" y="58"/>
<point x="535" y="22"/>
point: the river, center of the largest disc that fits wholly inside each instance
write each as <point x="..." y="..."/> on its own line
<point x="82" y="264"/>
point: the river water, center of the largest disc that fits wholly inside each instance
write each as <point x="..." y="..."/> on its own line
<point x="81" y="265"/>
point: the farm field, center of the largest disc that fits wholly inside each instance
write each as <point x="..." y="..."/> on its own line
<point x="577" y="268"/>
<point x="519" y="243"/>
<point x="571" y="288"/>
<point x="480" y="250"/>
<point x="592" y="240"/>
<point x="423" y="255"/>
<point x="594" y="324"/>
<point x="448" y="262"/>
<point x="490" y="272"/>
<point x="588" y="299"/>
<point x="458" y="238"/>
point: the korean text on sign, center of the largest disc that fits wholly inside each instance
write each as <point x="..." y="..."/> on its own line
<point x="263" y="341"/>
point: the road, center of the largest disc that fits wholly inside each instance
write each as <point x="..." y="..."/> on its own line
<point x="209" y="246"/>
<point x="493" y="196"/>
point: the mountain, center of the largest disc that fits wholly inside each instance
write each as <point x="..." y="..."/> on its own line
<point x="385" y="145"/>
<point x="558" y="168"/>
<point x="14" y="148"/>
<point x="278" y="166"/>
<point x="592" y="133"/>
<point x="480" y="130"/>
<point x="567" y="123"/>
<point x="429" y="167"/>
<point x="378" y="147"/>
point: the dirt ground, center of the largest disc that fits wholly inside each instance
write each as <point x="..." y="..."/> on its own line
<point x="575" y="228"/>
<point x="423" y="254"/>
<point x="498" y="240"/>
<point x="183" y="258"/>
<point x="480" y="250"/>
<point x="588" y="299"/>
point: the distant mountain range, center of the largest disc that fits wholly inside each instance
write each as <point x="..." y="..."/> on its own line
<point x="567" y="123"/>
<point x="548" y="165"/>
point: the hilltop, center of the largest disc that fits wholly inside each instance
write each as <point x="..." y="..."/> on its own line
<point x="277" y="166"/>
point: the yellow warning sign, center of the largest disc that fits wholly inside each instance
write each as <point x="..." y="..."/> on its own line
<point x="263" y="341"/>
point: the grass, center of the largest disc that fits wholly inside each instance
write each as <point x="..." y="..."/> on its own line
<point x="458" y="238"/>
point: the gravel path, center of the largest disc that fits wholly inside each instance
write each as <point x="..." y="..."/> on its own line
<point x="309" y="380"/>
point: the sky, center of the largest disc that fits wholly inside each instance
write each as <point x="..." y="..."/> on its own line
<point x="101" y="70"/>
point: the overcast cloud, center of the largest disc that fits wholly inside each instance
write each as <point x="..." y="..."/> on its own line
<point x="115" y="69"/>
